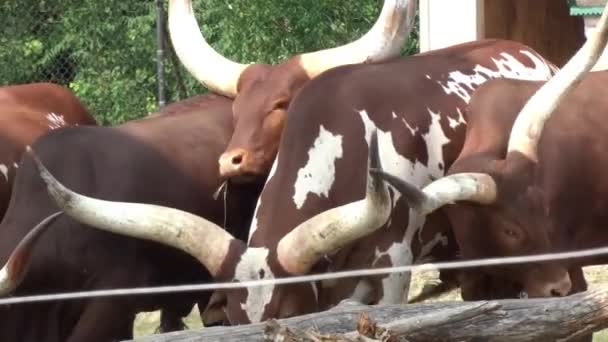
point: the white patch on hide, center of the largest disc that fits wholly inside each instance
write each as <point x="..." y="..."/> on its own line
<point x="434" y="140"/>
<point x="455" y="123"/>
<point x="15" y="165"/>
<point x="254" y="220"/>
<point x="395" y="285"/>
<point x="410" y="128"/>
<point x="414" y="172"/>
<point x="4" y="171"/>
<point x="426" y="249"/>
<point x="55" y="120"/>
<point x="254" y="266"/>
<point x="394" y="115"/>
<point x="319" y="173"/>
<point x="362" y="292"/>
<point x="506" y="66"/>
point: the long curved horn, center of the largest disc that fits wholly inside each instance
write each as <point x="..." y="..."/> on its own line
<point x="202" y="239"/>
<point x="474" y="187"/>
<point x="214" y="71"/>
<point x="531" y="119"/>
<point x="383" y="41"/>
<point x="14" y="270"/>
<point x="328" y="231"/>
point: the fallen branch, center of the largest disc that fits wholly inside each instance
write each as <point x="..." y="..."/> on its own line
<point x="546" y="319"/>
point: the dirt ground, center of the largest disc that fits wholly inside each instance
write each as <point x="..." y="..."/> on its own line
<point x="597" y="276"/>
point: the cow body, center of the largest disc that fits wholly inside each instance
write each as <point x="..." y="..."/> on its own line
<point x="418" y="106"/>
<point x="169" y="159"/>
<point x="28" y="111"/>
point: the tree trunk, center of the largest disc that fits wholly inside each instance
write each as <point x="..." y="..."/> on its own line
<point x="545" y="319"/>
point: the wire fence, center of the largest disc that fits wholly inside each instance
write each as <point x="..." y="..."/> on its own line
<point x="110" y="53"/>
<point x="117" y="56"/>
<point x="311" y="278"/>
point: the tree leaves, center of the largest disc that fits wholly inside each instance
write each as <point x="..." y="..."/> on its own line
<point x="106" y="50"/>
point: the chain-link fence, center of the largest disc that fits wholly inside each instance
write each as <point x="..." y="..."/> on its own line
<point x="106" y="51"/>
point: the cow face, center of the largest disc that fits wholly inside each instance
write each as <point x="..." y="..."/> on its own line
<point x="516" y="223"/>
<point x="496" y="209"/>
<point x="259" y="112"/>
<point x="258" y="303"/>
<point x="263" y="93"/>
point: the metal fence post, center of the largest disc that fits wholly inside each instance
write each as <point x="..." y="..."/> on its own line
<point x="160" y="53"/>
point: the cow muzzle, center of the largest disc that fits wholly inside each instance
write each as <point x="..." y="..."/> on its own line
<point x="559" y="286"/>
<point x="238" y="165"/>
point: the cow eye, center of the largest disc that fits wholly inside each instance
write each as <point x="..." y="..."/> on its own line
<point x="510" y="233"/>
<point x="281" y="104"/>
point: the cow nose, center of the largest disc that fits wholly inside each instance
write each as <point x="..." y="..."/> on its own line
<point x="231" y="162"/>
<point x="562" y="287"/>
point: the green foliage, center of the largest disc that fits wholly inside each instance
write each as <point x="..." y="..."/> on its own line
<point x="106" y="50"/>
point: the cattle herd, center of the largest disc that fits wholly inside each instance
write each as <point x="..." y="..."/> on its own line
<point x="346" y="158"/>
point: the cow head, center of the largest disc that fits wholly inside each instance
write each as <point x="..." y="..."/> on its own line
<point x="227" y="258"/>
<point x="263" y="93"/>
<point x="497" y="206"/>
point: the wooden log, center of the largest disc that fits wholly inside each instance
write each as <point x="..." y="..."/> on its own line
<point x="544" y="319"/>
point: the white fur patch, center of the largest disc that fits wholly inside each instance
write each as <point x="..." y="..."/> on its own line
<point x="410" y="128"/>
<point x="253" y="266"/>
<point x="426" y="249"/>
<point x="55" y="120"/>
<point x="4" y="171"/>
<point x="416" y="173"/>
<point x="455" y="123"/>
<point x="362" y="292"/>
<point x="319" y="173"/>
<point x="507" y="66"/>
<point x="396" y="285"/>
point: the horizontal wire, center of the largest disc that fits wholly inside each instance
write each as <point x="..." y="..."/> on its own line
<point x="309" y="278"/>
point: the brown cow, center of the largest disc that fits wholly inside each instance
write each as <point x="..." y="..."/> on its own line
<point x="28" y="111"/>
<point x="262" y="93"/>
<point x="529" y="177"/>
<point x="417" y="105"/>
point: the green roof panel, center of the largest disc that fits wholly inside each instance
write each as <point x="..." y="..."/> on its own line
<point x="586" y="7"/>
